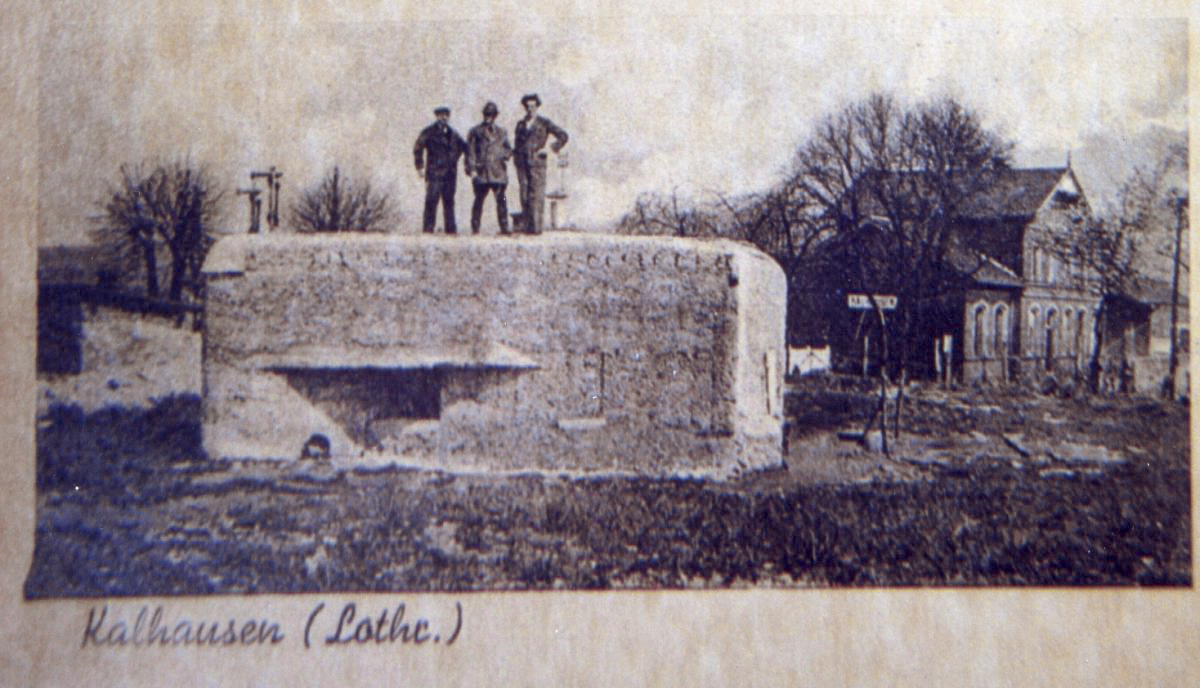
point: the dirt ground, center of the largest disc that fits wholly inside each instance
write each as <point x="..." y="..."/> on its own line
<point x="941" y="429"/>
<point x="983" y="488"/>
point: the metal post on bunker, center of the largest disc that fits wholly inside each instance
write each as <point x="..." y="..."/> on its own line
<point x="560" y="194"/>
<point x="252" y="195"/>
<point x="272" y="177"/>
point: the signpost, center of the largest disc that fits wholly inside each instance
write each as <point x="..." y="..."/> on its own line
<point x="862" y="302"/>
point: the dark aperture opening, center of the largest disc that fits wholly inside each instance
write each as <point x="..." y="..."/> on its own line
<point x="358" y="399"/>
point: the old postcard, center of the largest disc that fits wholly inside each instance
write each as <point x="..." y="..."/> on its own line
<point x="539" y="346"/>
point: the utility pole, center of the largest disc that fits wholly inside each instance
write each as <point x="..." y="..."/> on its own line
<point x="1181" y="202"/>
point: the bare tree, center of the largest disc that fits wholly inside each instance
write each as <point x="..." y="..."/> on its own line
<point x="673" y="215"/>
<point x="890" y="181"/>
<point x="771" y="220"/>
<point x="1103" y="256"/>
<point x="776" y="221"/>
<point x="879" y="183"/>
<point x="340" y="204"/>
<point x="900" y="177"/>
<point x="1109" y="256"/>
<point x="161" y="221"/>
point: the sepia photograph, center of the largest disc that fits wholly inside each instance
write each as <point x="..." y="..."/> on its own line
<point x="429" y="306"/>
<point x="536" y="344"/>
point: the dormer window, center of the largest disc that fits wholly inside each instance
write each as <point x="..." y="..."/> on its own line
<point x="1065" y="198"/>
<point x="1066" y="193"/>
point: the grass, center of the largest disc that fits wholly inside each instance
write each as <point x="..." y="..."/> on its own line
<point x="129" y="506"/>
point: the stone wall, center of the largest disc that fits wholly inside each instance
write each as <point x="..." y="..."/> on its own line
<point x="989" y="323"/>
<point x="561" y="353"/>
<point x="1145" y="344"/>
<point x="126" y="358"/>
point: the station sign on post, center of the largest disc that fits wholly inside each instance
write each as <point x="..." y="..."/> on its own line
<point x="862" y="302"/>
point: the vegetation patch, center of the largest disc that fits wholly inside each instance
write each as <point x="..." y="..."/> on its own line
<point x="128" y="505"/>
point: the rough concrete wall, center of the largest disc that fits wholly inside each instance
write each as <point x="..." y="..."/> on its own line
<point x="568" y="352"/>
<point x="761" y="357"/>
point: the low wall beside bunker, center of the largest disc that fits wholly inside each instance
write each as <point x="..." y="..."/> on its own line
<point x="562" y="353"/>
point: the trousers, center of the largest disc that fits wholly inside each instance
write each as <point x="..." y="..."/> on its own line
<point x="440" y="189"/>
<point x="481" y="192"/>
<point x="531" y="175"/>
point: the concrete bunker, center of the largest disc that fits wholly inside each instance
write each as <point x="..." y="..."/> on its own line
<point x="565" y="353"/>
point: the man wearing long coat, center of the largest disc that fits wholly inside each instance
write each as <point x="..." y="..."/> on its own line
<point x="530" y="160"/>
<point x="488" y="152"/>
<point x="437" y="150"/>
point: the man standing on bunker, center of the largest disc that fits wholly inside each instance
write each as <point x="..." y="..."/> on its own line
<point x="437" y="150"/>
<point x="530" y="160"/>
<point x="488" y="152"/>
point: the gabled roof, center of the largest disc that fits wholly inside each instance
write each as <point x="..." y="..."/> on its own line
<point x="1014" y="193"/>
<point x="1152" y="291"/>
<point x="982" y="268"/>
<point x="1008" y="200"/>
<point x="1008" y="193"/>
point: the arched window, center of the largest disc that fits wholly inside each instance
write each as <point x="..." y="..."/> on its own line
<point x="1000" y="331"/>
<point x="1066" y="340"/>
<point x="1051" y="326"/>
<point x="979" y="340"/>
<point x="1034" y="326"/>
<point x="1080" y="336"/>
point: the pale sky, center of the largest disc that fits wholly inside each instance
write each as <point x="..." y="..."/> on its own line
<point x="693" y="103"/>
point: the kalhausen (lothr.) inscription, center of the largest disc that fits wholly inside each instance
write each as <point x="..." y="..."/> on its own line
<point x="151" y="628"/>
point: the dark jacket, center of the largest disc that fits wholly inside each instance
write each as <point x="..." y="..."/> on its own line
<point x="488" y="152"/>
<point x="532" y="138"/>
<point x="440" y="148"/>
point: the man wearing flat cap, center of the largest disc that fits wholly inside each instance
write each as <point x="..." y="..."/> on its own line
<point x="488" y="152"/>
<point x="530" y="160"/>
<point x="436" y="151"/>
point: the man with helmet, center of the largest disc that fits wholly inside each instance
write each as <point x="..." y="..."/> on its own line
<point x="530" y="160"/>
<point x="436" y="152"/>
<point x="488" y="152"/>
